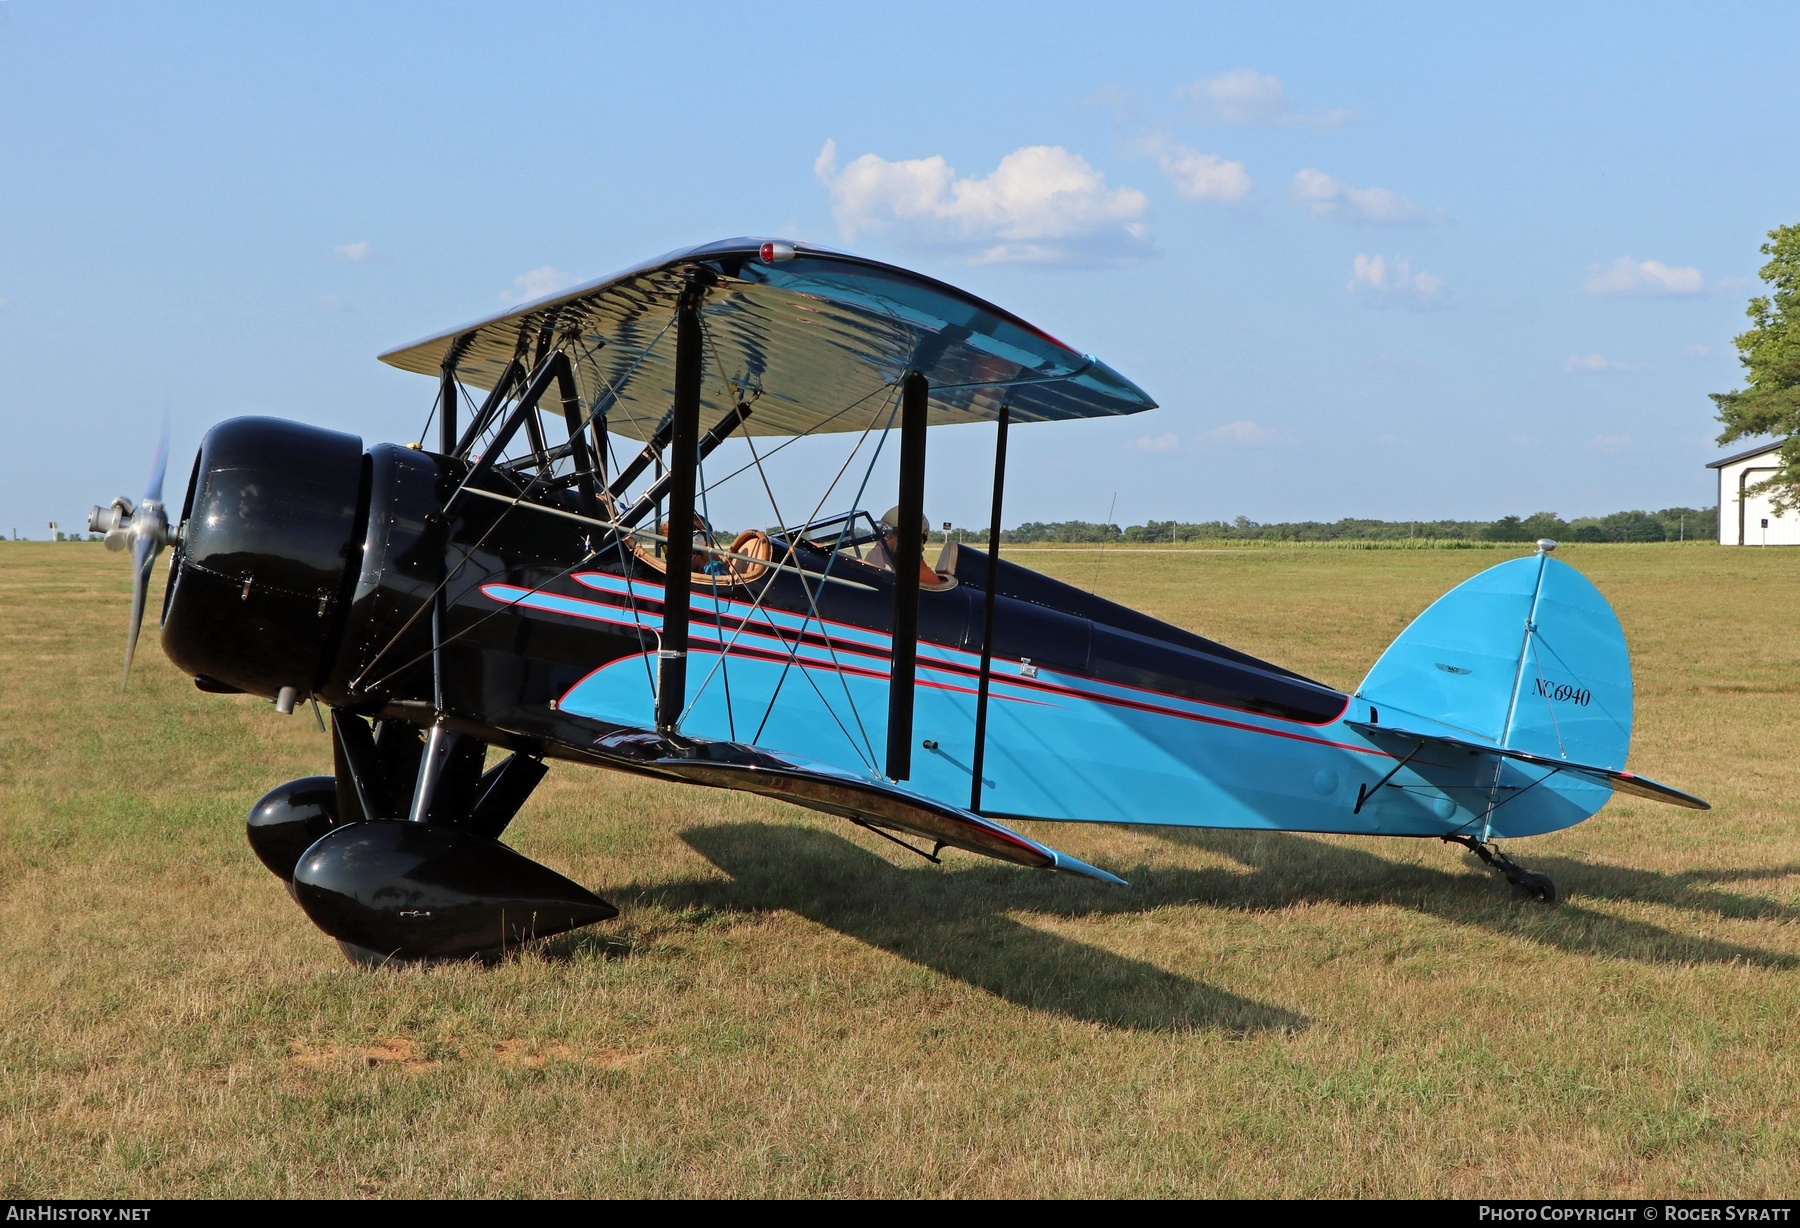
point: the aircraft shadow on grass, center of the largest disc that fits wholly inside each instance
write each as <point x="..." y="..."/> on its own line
<point x="957" y="925"/>
<point x="1285" y="870"/>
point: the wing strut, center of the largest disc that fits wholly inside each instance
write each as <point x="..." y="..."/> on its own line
<point x="524" y="413"/>
<point x="495" y="399"/>
<point x="586" y="492"/>
<point x="915" y="397"/>
<point x="987" y="614"/>
<point x="447" y="394"/>
<point x="660" y="488"/>
<point x="651" y="452"/>
<point x="684" y="458"/>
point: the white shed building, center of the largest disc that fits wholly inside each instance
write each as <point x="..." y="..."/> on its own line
<point x="1749" y="519"/>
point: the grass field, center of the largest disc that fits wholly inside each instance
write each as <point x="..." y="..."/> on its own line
<point x="789" y="1006"/>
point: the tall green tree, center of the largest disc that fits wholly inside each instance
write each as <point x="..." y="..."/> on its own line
<point x="1770" y="354"/>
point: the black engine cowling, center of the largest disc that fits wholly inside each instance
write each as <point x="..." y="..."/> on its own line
<point x="258" y="583"/>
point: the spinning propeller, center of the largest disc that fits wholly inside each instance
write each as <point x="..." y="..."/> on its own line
<point x="144" y="530"/>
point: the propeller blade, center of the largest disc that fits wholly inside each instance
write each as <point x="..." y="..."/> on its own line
<point x="159" y="466"/>
<point x="143" y="558"/>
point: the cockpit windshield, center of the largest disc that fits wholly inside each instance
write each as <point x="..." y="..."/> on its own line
<point x="857" y="534"/>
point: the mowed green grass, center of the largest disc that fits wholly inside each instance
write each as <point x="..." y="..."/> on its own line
<point x="789" y="1006"/>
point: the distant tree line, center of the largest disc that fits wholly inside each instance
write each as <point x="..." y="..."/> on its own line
<point x="1670" y="524"/>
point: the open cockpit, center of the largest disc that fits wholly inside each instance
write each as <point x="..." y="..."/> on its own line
<point x="859" y="536"/>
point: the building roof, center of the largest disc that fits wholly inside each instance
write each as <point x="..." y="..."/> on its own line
<point x="1759" y="450"/>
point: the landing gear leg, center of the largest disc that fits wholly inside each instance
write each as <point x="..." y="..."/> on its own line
<point x="1534" y="886"/>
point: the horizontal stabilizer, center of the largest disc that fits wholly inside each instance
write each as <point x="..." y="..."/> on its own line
<point x="1618" y="781"/>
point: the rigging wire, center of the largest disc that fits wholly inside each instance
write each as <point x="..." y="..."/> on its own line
<point x="814" y="429"/>
<point x="425" y="431"/>
<point x="812" y="598"/>
<point x="431" y="601"/>
<point x="831" y="562"/>
<point x="484" y="619"/>
<point x="612" y="395"/>
<point x="616" y="390"/>
<point x="529" y="486"/>
<point x="1100" y="557"/>
<point x="721" y="665"/>
<point x="1549" y="704"/>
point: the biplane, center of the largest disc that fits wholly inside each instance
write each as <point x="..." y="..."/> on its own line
<point x="545" y="582"/>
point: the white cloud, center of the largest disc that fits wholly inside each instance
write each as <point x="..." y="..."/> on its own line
<point x="1245" y="434"/>
<point x="1700" y="351"/>
<point x="1390" y="281"/>
<point x="1609" y="445"/>
<point x="535" y="284"/>
<point x="1041" y="204"/>
<point x="1591" y="364"/>
<point x="1326" y="198"/>
<point x="1124" y="104"/>
<point x="1160" y="443"/>
<point x="1203" y="176"/>
<point x="1643" y="278"/>
<point x="4" y="304"/>
<point x="1245" y="96"/>
<point x="352" y="251"/>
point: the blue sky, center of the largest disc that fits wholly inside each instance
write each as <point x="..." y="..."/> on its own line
<point x="1403" y="261"/>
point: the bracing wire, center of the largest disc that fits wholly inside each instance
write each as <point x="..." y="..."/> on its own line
<point x="612" y="395"/>
<point x="425" y="431"/>
<point x="491" y="614"/>
<point x="811" y="596"/>
<point x="529" y="486"/>
<point x="721" y="665"/>
<point x="831" y="562"/>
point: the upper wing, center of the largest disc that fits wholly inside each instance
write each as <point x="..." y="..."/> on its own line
<point x="816" y="337"/>
<point x="818" y="786"/>
<point x="1619" y="781"/>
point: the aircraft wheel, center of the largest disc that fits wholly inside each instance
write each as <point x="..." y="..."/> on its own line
<point x="1537" y="887"/>
<point x="362" y="957"/>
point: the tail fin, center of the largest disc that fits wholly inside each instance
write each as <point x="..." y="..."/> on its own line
<point x="1527" y="656"/>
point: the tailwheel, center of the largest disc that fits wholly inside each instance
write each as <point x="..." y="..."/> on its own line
<point x="1535" y="887"/>
<point x="1532" y="886"/>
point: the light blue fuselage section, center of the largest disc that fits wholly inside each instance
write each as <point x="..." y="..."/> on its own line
<point x="1059" y="746"/>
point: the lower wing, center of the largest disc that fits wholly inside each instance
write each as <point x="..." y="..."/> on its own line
<point x="874" y="803"/>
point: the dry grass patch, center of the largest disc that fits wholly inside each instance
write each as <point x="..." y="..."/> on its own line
<point x="408" y="1055"/>
<point x="788" y="1006"/>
